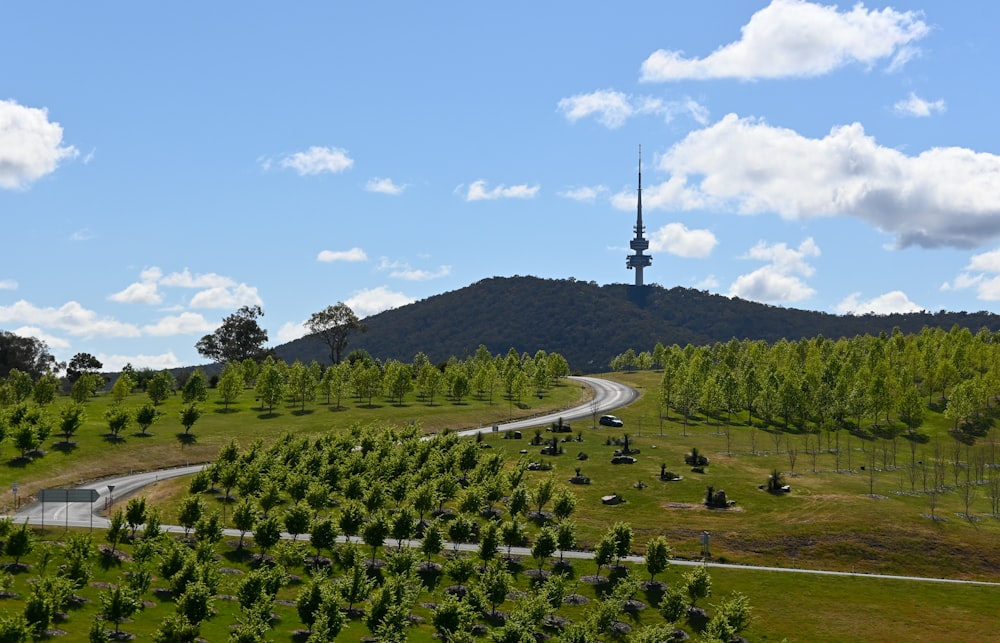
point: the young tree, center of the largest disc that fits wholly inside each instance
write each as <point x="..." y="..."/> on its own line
<point x="270" y="385"/>
<point x="195" y="389"/>
<point x="118" y="604"/>
<point x="657" y="556"/>
<point x="698" y="583"/>
<point x="333" y="325"/>
<point x="545" y="545"/>
<point x="71" y="418"/>
<point x="231" y="383"/>
<point x="160" y="386"/>
<point x="118" y="418"/>
<point x="145" y="416"/>
<point x="244" y="517"/>
<point x="190" y="415"/>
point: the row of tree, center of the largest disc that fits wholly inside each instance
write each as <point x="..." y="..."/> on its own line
<point x="872" y="384"/>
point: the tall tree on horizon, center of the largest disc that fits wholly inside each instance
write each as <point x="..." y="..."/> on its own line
<point x="333" y="325"/>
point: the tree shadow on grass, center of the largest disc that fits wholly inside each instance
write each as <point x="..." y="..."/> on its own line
<point x="114" y="438"/>
<point x="186" y="439"/>
<point x="268" y="415"/>
<point x="225" y="411"/>
<point x="302" y="412"/>
<point x="140" y="434"/>
<point x="65" y="446"/>
<point x="19" y="462"/>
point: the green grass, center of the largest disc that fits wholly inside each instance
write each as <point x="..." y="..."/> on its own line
<point x="828" y="521"/>
<point x="90" y="455"/>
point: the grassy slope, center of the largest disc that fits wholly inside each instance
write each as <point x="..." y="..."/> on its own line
<point x="828" y="521"/>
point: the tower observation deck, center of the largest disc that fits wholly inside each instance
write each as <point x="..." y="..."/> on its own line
<point x="639" y="244"/>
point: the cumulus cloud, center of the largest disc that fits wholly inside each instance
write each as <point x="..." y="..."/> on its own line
<point x="8" y="284"/>
<point x="797" y="38"/>
<point x="71" y="317"/>
<point x="30" y="145"/>
<point x="478" y="192"/>
<point x="221" y="297"/>
<point x="143" y="292"/>
<point x="913" y="105"/>
<point x="384" y="186"/>
<point x="153" y="362"/>
<point x="184" y="279"/>
<point x="291" y="331"/>
<point x="613" y="108"/>
<point x="183" y="324"/>
<point x="940" y="197"/>
<point x="781" y="279"/>
<point x="677" y="239"/>
<point x="354" y="254"/>
<point x="374" y="300"/>
<point x="885" y="304"/>
<point x="317" y="160"/>
<point x="52" y="341"/>
<point x="585" y="194"/>
<point x="982" y="274"/>
<point x="403" y="270"/>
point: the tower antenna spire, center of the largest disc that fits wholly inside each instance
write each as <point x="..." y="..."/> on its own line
<point x="639" y="244"/>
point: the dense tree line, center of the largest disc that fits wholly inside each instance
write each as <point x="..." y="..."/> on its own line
<point x="868" y="384"/>
<point x="589" y="324"/>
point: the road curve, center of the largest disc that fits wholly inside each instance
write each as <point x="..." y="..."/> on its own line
<point x="608" y="396"/>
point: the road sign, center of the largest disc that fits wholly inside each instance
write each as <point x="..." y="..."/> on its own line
<point x="68" y="495"/>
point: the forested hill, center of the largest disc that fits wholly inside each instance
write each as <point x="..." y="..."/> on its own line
<point x="589" y="324"/>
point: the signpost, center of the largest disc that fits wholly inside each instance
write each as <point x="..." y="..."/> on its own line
<point x="67" y="496"/>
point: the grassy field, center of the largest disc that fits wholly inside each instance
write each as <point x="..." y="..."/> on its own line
<point x="92" y="454"/>
<point x="838" y="515"/>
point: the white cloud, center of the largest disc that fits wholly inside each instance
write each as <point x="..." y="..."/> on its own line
<point x="52" y="341"/>
<point x="354" y="254"/>
<point x="185" y="279"/>
<point x="291" y="331"/>
<point x="374" y="300"/>
<point x="235" y="297"/>
<point x="478" y="192"/>
<point x="796" y="38"/>
<point x="982" y="273"/>
<point x="143" y="292"/>
<point x="613" y="108"/>
<point x="781" y="279"/>
<point x="403" y="270"/>
<point x="941" y="197"/>
<point x="384" y="186"/>
<point x="30" y="145"/>
<point x="913" y="105"/>
<point x="154" y="362"/>
<point x="677" y="239"/>
<point x="885" y="304"/>
<point x="71" y="317"/>
<point x="182" y="324"/>
<point x="586" y="194"/>
<point x="707" y="283"/>
<point x="317" y="160"/>
<point x="8" y="284"/>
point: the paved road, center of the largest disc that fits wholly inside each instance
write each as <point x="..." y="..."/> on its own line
<point x="607" y="396"/>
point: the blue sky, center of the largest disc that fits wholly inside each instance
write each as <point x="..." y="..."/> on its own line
<point x="162" y="165"/>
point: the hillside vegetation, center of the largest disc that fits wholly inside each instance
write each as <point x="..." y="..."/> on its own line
<point x="589" y="324"/>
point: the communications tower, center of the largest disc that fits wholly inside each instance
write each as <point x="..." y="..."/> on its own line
<point x="639" y="244"/>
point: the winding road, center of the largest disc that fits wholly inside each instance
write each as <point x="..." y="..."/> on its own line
<point x="608" y="396"/>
